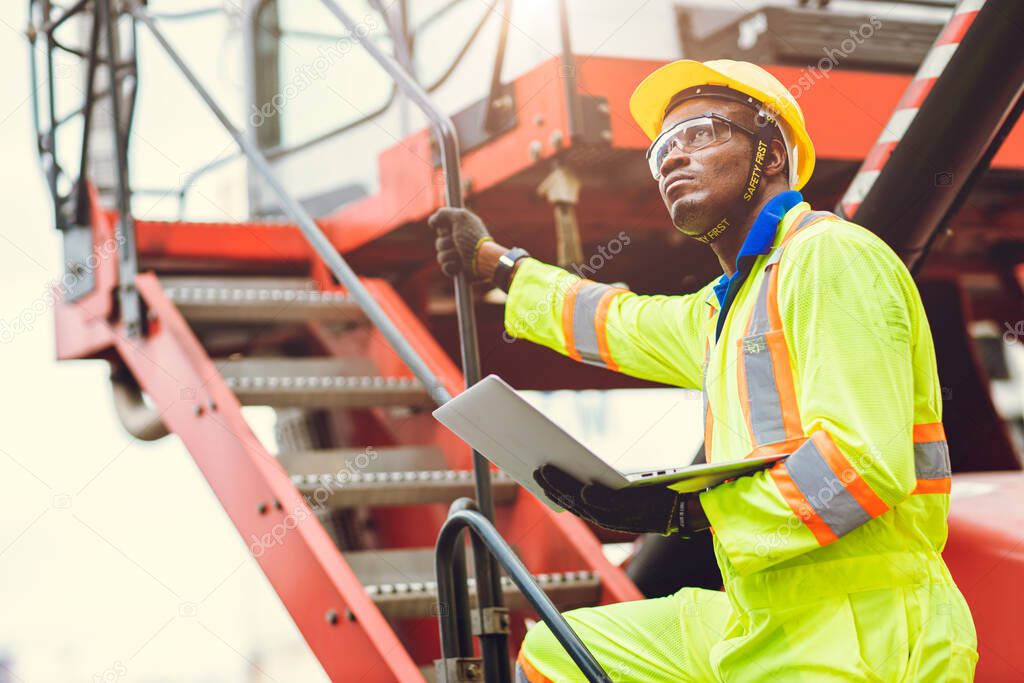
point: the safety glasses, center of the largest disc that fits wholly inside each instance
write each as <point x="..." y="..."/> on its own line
<point x="689" y="135"/>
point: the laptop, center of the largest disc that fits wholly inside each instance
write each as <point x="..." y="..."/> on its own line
<point x="504" y="427"/>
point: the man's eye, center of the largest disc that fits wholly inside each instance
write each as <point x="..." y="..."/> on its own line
<point x="700" y="135"/>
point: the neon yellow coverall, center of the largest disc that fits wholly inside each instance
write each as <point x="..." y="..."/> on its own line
<point x="831" y="559"/>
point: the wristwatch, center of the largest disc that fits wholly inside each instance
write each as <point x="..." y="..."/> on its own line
<point x="502" y="277"/>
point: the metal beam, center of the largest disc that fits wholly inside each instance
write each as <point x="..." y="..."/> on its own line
<point x="910" y="183"/>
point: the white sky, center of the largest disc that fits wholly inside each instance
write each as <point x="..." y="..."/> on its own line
<point x="105" y="541"/>
<point x="107" y="545"/>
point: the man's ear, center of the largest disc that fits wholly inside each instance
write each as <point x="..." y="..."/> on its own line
<point x="775" y="161"/>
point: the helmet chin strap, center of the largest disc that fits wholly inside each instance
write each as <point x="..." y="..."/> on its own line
<point x="741" y="207"/>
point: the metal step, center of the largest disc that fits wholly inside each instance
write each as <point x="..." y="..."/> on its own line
<point x="258" y="300"/>
<point x="410" y="487"/>
<point x="403" y="585"/>
<point x="346" y="477"/>
<point x="371" y="458"/>
<point x="318" y="382"/>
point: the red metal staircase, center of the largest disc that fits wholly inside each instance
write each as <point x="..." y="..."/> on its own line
<point x="361" y="585"/>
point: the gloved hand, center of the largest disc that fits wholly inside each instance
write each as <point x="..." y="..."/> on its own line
<point x="460" y="233"/>
<point x="649" y="509"/>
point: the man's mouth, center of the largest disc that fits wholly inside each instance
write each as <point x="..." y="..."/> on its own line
<point x="677" y="183"/>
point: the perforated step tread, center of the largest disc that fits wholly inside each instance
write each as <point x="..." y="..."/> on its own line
<point x="318" y="382"/>
<point x="258" y="300"/>
<point x="403" y="585"/>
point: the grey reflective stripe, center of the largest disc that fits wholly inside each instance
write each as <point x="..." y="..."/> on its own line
<point x="763" y="394"/>
<point x="931" y="460"/>
<point x="808" y="218"/>
<point x="584" y="332"/>
<point x="765" y="405"/>
<point x="759" y="323"/>
<point x="824" y="491"/>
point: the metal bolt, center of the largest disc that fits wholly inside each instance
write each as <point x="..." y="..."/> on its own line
<point x="262" y="508"/>
<point x="211" y="404"/>
<point x="332" y="617"/>
<point x="556" y="138"/>
<point x="277" y="504"/>
<point x="349" y="614"/>
<point x="197" y="409"/>
<point x="538" y="120"/>
<point x="535" y="148"/>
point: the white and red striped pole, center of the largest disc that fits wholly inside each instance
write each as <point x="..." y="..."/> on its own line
<point x="906" y="109"/>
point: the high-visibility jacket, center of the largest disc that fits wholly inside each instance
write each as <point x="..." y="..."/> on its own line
<point x="825" y="353"/>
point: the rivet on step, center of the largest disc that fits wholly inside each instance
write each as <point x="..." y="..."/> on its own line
<point x="211" y="404"/>
<point x="535" y="149"/>
<point x="262" y="508"/>
<point x="277" y="504"/>
<point x="349" y="614"/>
<point x="197" y="409"/>
<point x="332" y="617"/>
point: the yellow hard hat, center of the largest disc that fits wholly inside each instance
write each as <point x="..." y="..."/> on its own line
<point x="653" y="95"/>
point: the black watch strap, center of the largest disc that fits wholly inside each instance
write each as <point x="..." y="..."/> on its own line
<point x="502" y="277"/>
<point x="688" y="526"/>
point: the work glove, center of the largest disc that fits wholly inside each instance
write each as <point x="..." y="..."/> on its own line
<point x="647" y="509"/>
<point x="460" y="233"/>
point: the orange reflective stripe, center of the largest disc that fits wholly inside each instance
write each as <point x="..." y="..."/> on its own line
<point x="773" y="298"/>
<point x="933" y="486"/>
<point x="848" y="475"/>
<point x="568" y="306"/>
<point x="777" y="448"/>
<point x="932" y="431"/>
<point x="801" y="508"/>
<point x="530" y="671"/>
<point x="784" y="383"/>
<point x="599" y="324"/>
<point x="794" y="226"/>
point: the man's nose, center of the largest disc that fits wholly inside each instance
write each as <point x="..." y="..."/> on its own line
<point x="675" y="157"/>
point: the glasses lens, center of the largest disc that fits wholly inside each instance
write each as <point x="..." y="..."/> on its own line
<point x="689" y="135"/>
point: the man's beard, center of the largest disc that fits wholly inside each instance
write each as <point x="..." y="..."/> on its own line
<point x="693" y="217"/>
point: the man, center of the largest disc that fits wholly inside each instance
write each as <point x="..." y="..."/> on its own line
<point x="814" y="343"/>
